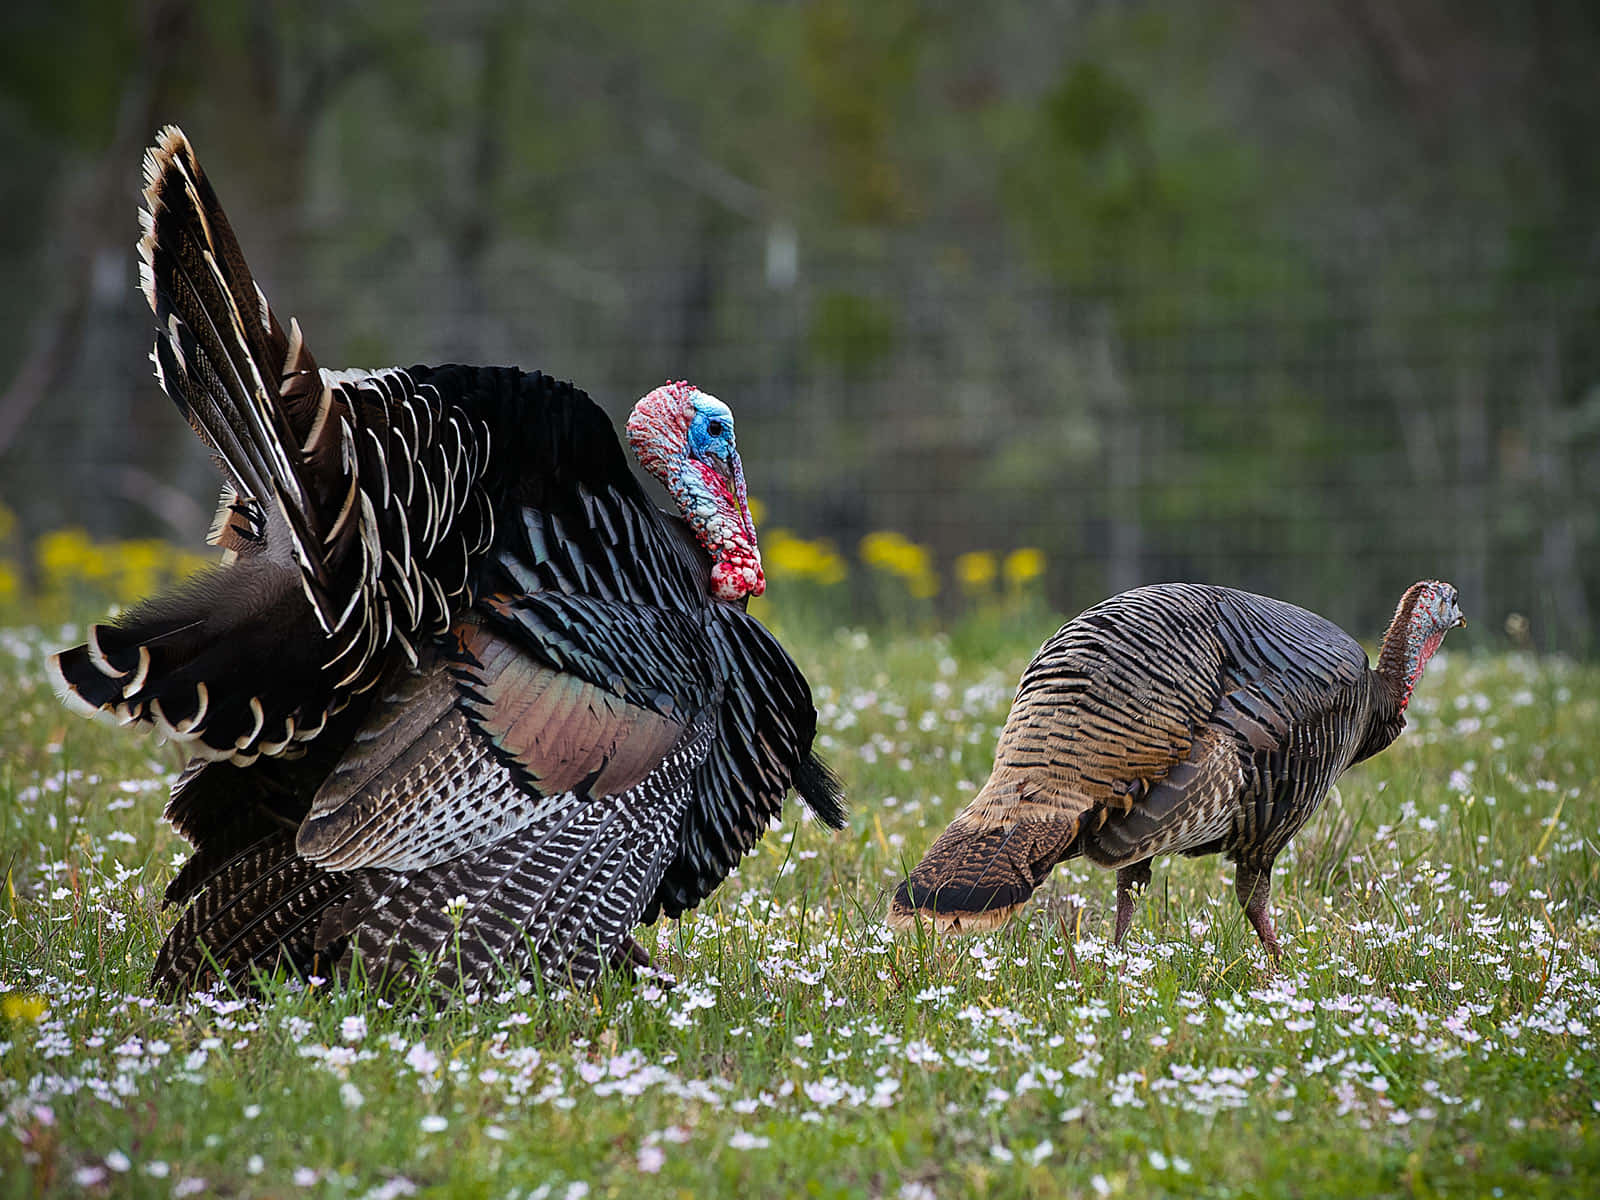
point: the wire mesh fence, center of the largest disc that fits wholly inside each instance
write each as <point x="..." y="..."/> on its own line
<point x="1367" y="412"/>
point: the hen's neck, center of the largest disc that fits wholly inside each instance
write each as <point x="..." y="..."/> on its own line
<point x="1407" y="647"/>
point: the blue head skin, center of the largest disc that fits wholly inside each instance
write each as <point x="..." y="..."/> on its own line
<point x="685" y="438"/>
<point x="711" y="435"/>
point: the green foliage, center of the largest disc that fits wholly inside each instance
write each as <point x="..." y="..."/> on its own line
<point x="63" y="65"/>
<point x="851" y="332"/>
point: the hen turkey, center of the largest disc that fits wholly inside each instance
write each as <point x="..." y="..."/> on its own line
<point x="1173" y="719"/>
<point x="460" y="699"/>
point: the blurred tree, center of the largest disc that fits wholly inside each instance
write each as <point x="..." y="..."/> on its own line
<point x="1293" y="296"/>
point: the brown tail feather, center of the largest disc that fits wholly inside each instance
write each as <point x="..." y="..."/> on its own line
<point x="255" y="911"/>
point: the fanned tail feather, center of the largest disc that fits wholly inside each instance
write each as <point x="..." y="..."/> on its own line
<point x="350" y="502"/>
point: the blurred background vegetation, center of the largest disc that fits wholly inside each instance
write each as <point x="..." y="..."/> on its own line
<point x="1015" y="295"/>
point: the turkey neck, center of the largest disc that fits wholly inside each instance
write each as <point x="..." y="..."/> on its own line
<point x="1400" y="663"/>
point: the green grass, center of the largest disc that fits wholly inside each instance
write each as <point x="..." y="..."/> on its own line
<point x="1431" y="1031"/>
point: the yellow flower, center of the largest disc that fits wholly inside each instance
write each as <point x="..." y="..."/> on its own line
<point x="22" y="1006"/>
<point x="784" y="554"/>
<point x="141" y="566"/>
<point x="976" y="570"/>
<point x="898" y="555"/>
<point x="64" y="556"/>
<point x="9" y="585"/>
<point x="1023" y="565"/>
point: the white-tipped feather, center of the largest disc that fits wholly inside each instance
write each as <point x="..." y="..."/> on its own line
<point x="264" y="315"/>
<point x="383" y="464"/>
<point x="324" y="407"/>
<point x="260" y="719"/>
<point x="337" y="527"/>
<point x="297" y="340"/>
<point x="176" y="343"/>
<point x="140" y="674"/>
<point x="306" y="732"/>
<point x="97" y="656"/>
<point x="202" y="697"/>
<point x="66" y="693"/>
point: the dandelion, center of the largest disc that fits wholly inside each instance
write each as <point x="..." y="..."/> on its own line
<point x="1022" y="566"/>
<point x="976" y="571"/>
<point x="21" y="1006"/>
<point x="894" y="554"/>
<point x="818" y="561"/>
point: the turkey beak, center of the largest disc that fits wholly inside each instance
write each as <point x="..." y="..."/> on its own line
<point x="724" y="466"/>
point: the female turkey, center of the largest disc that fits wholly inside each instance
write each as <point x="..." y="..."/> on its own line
<point x="460" y="696"/>
<point x="1170" y="719"/>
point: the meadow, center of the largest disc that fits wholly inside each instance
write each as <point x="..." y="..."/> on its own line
<point x="1431" y="1031"/>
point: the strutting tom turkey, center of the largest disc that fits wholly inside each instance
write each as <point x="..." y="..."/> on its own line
<point x="1173" y="719"/>
<point x="459" y="695"/>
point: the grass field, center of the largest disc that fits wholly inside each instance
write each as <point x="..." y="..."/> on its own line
<point x="1431" y="1031"/>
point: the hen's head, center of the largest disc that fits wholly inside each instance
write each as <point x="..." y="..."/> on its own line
<point x="684" y="437"/>
<point x="1428" y="610"/>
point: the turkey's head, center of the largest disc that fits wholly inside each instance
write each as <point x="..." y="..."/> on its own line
<point x="684" y="437"/>
<point x="1429" y="610"/>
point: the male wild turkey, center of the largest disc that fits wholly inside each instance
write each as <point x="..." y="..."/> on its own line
<point x="457" y="674"/>
<point x="1170" y="719"/>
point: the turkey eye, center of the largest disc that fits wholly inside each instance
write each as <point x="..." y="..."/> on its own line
<point x="714" y="428"/>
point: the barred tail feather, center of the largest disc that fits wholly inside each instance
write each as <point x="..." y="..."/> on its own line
<point x="257" y="911"/>
<point x="565" y="892"/>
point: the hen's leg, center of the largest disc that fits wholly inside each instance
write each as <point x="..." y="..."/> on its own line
<point x="1131" y="881"/>
<point x="1253" y="884"/>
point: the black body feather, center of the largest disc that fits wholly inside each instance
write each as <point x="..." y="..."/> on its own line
<point x="460" y="699"/>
